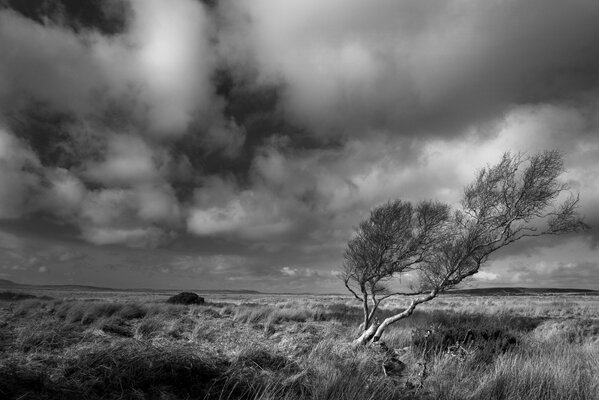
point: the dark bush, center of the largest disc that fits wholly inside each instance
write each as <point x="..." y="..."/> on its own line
<point x="186" y="298"/>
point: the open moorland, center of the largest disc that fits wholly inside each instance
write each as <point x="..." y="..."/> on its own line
<point x="77" y="344"/>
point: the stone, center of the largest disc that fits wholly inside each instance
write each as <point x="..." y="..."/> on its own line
<point x="186" y="298"/>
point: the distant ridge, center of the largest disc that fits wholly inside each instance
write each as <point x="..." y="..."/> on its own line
<point x="491" y="291"/>
<point x="5" y="283"/>
<point x="521" y="291"/>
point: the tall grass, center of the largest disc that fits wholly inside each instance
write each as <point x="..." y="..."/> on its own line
<point x="551" y="371"/>
<point x="288" y="350"/>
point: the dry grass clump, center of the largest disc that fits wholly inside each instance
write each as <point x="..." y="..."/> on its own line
<point x="333" y="370"/>
<point x="277" y="315"/>
<point x="46" y="336"/>
<point x="149" y="328"/>
<point x="87" y="313"/>
<point x="567" y="331"/>
<point x="165" y="310"/>
<point x="32" y="307"/>
<point x="97" y="311"/>
<point x="115" y="326"/>
<point x="181" y="327"/>
<point x="132" y="311"/>
<point x="252" y="314"/>
<point x="546" y="372"/>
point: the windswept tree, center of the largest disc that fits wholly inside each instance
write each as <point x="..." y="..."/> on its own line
<point x="520" y="197"/>
<point x="395" y="239"/>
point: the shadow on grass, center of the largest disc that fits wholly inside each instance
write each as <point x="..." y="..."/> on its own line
<point x="126" y="369"/>
<point x="16" y="296"/>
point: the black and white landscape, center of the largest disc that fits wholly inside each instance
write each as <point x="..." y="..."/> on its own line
<point x="391" y="199"/>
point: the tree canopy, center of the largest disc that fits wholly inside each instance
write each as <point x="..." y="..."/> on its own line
<point x="519" y="197"/>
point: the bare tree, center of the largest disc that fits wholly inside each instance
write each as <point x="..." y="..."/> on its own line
<point x="396" y="237"/>
<point x="519" y="197"/>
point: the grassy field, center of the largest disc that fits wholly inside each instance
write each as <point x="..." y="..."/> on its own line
<point x="131" y="345"/>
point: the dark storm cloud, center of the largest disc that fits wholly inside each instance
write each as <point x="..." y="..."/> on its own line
<point x="414" y="67"/>
<point x="244" y="140"/>
<point x="108" y="16"/>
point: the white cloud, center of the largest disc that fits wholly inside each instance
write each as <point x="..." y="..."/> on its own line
<point x="211" y="264"/>
<point x="172" y="56"/>
<point x="250" y="215"/>
<point x="157" y="204"/>
<point x="134" y="237"/>
<point x="159" y="70"/>
<point x="64" y="195"/>
<point x="129" y="160"/>
<point x="486" y="276"/>
<point x="18" y="178"/>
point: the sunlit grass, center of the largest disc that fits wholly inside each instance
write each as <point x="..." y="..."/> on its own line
<point x="297" y="348"/>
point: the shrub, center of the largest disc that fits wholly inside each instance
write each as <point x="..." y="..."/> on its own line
<point x="186" y="298"/>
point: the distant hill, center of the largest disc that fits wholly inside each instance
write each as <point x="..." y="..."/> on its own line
<point x="5" y="283"/>
<point x="492" y="291"/>
<point x="520" y="291"/>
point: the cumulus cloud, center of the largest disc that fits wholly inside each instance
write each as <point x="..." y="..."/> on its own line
<point x="172" y="50"/>
<point x="134" y="237"/>
<point x="161" y="66"/>
<point x="18" y="177"/>
<point x="128" y="160"/>
<point x="431" y="66"/>
<point x="48" y="64"/>
<point x="254" y="214"/>
<point x="566" y="264"/>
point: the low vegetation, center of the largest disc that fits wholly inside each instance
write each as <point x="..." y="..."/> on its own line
<point x="461" y="348"/>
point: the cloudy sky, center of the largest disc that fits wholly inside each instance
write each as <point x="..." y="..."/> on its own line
<point x="234" y="144"/>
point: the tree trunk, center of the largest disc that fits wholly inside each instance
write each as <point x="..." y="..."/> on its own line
<point x="367" y="335"/>
<point x="375" y="331"/>
<point x="365" y="308"/>
<point x="391" y="320"/>
<point x="375" y="306"/>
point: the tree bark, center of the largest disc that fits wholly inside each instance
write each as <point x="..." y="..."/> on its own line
<point x="388" y="321"/>
<point x="367" y="335"/>
<point x="366" y="310"/>
<point x="375" y="331"/>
